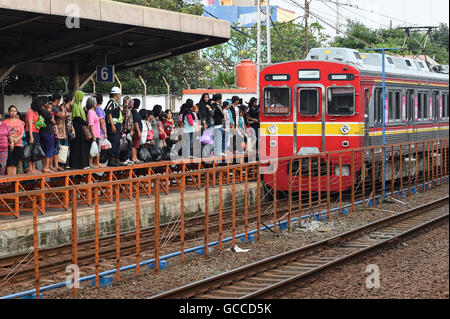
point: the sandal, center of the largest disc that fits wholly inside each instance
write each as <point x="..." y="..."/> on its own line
<point x="60" y="169"/>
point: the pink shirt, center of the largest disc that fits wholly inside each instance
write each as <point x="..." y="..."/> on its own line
<point x="93" y="121"/>
<point x="5" y="133"/>
<point x="16" y="127"/>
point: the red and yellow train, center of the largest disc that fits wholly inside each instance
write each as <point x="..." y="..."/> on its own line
<point x="333" y="101"/>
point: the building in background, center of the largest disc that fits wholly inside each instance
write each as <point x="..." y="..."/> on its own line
<point x="243" y="12"/>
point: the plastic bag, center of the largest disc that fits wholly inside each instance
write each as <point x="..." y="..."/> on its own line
<point x="143" y="154"/>
<point x="124" y="143"/>
<point x="94" y="149"/>
<point x="105" y="144"/>
<point x="40" y="122"/>
<point x="155" y="152"/>
<point x="28" y="152"/>
<point x="166" y="153"/>
<point x="207" y="136"/>
<point x="63" y="154"/>
<point x="37" y="153"/>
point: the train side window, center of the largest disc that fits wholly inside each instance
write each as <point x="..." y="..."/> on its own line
<point x="410" y="105"/>
<point x="444" y="97"/>
<point x="398" y="106"/>
<point x="391" y="105"/>
<point x="309" y="102"/>
<point x="425" y="106"/>
<point x="445" y="106"/>
<point x="378" y="103"/>
<point x="341" y="101"/>
<point x="277" y="101"/>
<point x="436" y="105"/>
<point x="420" y="105"/>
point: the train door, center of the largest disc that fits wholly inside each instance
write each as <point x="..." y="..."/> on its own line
<point x="366" y="116"/>
<point x="309" y="132"/>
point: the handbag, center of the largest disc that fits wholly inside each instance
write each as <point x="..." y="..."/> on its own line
<point x="63" y="154"/>
<point x="162" y="134"/>
<point x="87" y="133"/>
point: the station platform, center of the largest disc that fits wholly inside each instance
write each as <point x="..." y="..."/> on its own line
<point x="55" y="226"/>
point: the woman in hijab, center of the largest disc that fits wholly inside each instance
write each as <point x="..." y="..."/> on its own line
<point x="204" y="110"/>
<point x="79" y="154"/>
<point x="156" y="126"/>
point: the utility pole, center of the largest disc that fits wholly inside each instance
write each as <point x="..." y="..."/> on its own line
<point x="268" y="26"/>
<point x="306" y="27"/>
<point x="338" y="17"/>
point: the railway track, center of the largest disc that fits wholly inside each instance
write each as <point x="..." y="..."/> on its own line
<point x="54" y="260"/>
<point x="263" y="278"/>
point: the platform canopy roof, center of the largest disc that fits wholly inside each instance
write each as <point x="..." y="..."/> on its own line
<point x="36" y="39"/>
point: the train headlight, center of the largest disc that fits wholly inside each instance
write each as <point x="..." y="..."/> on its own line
<point x="345" y="170"/>
<point x="273" y="129"/>
<point x="345" y="129"/>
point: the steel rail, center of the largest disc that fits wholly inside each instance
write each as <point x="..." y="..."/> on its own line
<point x="287" y="275"/>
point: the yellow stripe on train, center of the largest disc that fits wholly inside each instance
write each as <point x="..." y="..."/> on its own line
<point x="313" y="129"/>
<point x="410" y="131"/>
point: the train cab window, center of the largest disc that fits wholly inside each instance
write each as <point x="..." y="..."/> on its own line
<point x="309" y="102"/>
<point x="341" y="101"/>
<point x="277" y="101"/>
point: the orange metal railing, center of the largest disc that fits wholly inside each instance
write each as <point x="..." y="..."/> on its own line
<point x="373" y="160"/>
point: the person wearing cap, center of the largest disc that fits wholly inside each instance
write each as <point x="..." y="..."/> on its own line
<point x="114" y="119"/>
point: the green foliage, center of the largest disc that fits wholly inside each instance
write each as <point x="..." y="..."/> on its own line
<point x="394" y="38"/>
<point x="288" y="44"/>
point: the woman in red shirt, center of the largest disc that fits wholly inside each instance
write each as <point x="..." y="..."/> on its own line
<point x="31" y="117"/>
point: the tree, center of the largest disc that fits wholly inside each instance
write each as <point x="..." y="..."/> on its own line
<point x="288" y="44"/>
<point x="436" y="47"/>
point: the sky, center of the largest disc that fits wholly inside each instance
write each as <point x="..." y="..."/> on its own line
<point x="376" y="13"/>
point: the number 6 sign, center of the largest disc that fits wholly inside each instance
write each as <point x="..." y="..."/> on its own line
<point x="105" y="73"/>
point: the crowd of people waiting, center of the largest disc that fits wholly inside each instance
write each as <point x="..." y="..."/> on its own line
<point x="63" y="134"/>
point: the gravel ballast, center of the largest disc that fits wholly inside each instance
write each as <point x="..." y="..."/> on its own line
<point x="197" y="268"/>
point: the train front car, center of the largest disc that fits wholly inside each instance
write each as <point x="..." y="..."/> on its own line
<point x="309" y="107"/>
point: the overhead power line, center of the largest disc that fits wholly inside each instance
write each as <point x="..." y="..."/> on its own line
<point x="332" y="26"/>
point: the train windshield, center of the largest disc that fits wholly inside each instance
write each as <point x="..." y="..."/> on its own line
<point x="341" y="101"/>
<point x="277" y="101"/>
